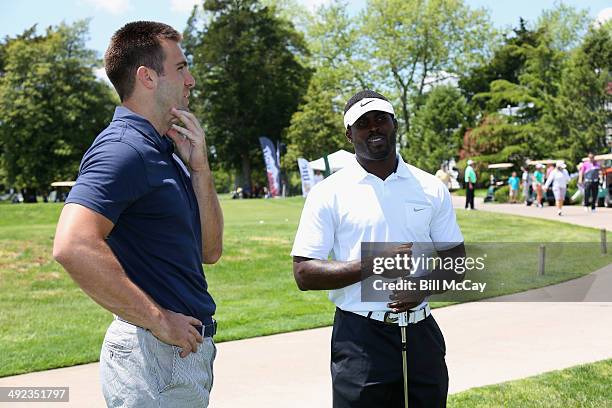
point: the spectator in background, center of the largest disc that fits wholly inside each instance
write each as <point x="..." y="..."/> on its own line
<point x="558" y="178"/>
<point x="513" y="183"/>
<point x="588" y="176"/>
<point x="526" y="182"/>
<point x="538" y="181"/>
<point x="549" y="169"/>
<point x="580" y="184"/>
<point x="444" y="175"/>
<point x="470" y="185"/>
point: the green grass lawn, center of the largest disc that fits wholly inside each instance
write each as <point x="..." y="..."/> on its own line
<point x="585" y="386"/>
<point x="46" y="321"/>
<point x="479" y="192"/>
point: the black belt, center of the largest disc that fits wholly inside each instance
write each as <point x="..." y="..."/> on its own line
<point x="208" y="330"/>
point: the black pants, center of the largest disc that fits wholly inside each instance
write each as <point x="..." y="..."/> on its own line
<point x="591" y="189"/>
<point x="366" y="364"/>
<point x="469" y="196"/>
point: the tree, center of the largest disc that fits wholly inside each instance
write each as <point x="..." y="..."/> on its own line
<point x="438" y="127"/>
<point x="521" y="133"/>
<point x="582" y="111"/>
<point x="289" y="10"/>
<point x="247" y="64"/>
<point x="566" y="26"/>
<point x="316" y="128"/>
<point x="51" y="105"/>
<point x="558" y="101"/>
<point x="506" y="64"/>
<point x="562" y="98"/>
<point x="336" y="42"/>
<point x="415" y="43"/>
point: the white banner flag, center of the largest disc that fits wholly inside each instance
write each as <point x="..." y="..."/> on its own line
<point x="306" y="174"/>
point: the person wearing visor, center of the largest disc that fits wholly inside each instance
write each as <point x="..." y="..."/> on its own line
<point x="378" y="198"/>
<point x="558" y="178"/>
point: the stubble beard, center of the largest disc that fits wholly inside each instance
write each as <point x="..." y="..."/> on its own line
<point x="166" y="100"/>
<point x="381" y="154"/>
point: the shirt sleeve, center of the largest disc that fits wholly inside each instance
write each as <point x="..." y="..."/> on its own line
<point x="112" y="176"/>
<point x="315" y="234"/>
<point x="444" y="230"/>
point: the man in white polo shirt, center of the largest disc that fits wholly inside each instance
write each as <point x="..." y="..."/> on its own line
<point x="378" y="198"/>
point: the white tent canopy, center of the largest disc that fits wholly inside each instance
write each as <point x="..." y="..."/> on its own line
<point x="337" y="160"/>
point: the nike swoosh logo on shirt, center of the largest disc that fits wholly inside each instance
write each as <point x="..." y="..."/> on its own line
<point x="418" y="209"/>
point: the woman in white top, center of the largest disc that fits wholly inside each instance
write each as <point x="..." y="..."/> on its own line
<point x="559" y="178"/>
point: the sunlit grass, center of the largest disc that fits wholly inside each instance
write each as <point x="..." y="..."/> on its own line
<point x="46" y="321"/>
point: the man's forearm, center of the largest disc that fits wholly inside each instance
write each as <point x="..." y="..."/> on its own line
<point x="316" y="274"/>
<point x="211" y="216"/>
<point x="94" y="267"/>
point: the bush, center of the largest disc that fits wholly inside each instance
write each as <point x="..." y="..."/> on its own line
<point x="223" y="180"/>
<point x="502" y="194"/>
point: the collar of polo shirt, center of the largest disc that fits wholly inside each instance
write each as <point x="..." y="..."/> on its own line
<point x="360" y="173"/>
<point x="364" y="106"/>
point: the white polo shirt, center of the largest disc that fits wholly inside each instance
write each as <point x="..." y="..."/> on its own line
<point x="353" y="206"/>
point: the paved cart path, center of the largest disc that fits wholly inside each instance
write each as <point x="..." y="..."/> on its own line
<point x="487" y="343"/>
<point x="572" y="214"/>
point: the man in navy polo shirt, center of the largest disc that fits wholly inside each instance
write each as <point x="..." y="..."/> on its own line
<point x="140" y="221"/>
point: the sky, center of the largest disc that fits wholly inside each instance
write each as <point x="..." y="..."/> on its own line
<point x="109" y="15"/>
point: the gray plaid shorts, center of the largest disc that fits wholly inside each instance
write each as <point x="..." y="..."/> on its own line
<point x="138" y="370"/>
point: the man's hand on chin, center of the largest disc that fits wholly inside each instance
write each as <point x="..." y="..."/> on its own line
<point x="190" y="141"/>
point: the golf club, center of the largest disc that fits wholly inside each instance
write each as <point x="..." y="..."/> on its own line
<point x="403" y="322"/>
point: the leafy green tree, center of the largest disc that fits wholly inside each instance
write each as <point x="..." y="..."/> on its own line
<point x="533" y="72"/>
<point x="565" y="27"/>
<point x="51" y="105"/>
<point x="562" y="99"/>
<point x="413" y="44"/>
<point x="582" y="110"/>
<point x="336" y="44"/>
<point x="565" y="24"/>
<point x="507" y="64"/>
<point x="498" y="139"/>
<point x="290" y="10"/>
<point x="316" y="128"/>
<point x="525" y="133"/>
<point x="249" y="75"/>
<point x="438" y="127"/>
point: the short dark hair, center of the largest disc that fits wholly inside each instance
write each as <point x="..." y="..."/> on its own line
<point x="133" y="45"/>
<point x="366" y="93"/>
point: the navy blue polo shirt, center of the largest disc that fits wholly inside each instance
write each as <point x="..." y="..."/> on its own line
<point x="130" y="176"/>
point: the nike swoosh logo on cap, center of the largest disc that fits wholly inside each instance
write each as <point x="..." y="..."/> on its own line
<point x="364" y="104"/>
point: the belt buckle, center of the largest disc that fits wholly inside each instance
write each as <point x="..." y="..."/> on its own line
<point x="390" y="320"/>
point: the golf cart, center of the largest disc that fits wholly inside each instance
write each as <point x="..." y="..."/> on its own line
<point x="60" y="191"/>
<point x="604" y="198"/>
<point x="494" y="181"/>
